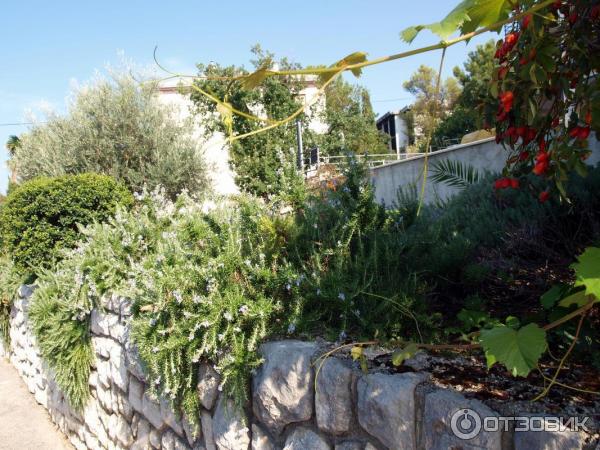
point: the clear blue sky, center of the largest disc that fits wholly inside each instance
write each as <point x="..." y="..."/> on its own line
<point x="45" y="45"/>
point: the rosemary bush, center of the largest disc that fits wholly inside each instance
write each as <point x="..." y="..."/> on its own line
<point x="205" y="285"/>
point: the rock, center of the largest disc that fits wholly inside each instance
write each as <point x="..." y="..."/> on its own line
<point x="548" y="440"/>
<point x="91" y="417"/>
<point x="105" y="398"/>
<point x="192" y="432"/>
<point x="170" y="441"/>
<point x="123" y="432"/>
<point x="350" y="445"/>
<point x="101" y="323"/>
<point x="304" y="438"/>
<point x="230" y="430"/>
<point x="333" y="401"/>
<point x="103" y="370"/>
<point x="136" y="393"/>
<point x="151" y="411"/>
<point x="133" y="361"/>
<point x="260" y="440"/>
<point x="386" y="408"/>
<point x="118" y="368"/>
<point x="208" y="385"/>
<point x="440" y="407"/>
<point x="142" y="428"/>
<point x="155" y="439"/>
<point x="283" y="387"/>
<point x="123" y="405"/>
<point x="207" y="430"/>
<point x="26" y="290"/>
<point x="169" y="417"/>
<point x="103" y="346"/>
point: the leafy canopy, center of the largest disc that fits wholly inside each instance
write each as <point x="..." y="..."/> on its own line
<point x="115" y="126"/>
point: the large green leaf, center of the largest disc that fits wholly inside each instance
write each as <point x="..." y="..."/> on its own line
<point x="587" y="271"/>
<point x="518" y="350"/>
<point x="468" y="16"/>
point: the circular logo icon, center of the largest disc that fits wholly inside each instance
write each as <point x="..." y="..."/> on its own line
<point x="466" y="424"/>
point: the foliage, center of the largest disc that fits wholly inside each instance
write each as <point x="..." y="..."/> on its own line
<point x="42" y="216"/>
<point x="59" y="314"/>
<point x="472" y="111"/>
<point x="429" y="108"/>
<point x="263" y="163"/>
<point x="454" y="173"/>
<point x="548" y="90"/>
<point x="519" y="350"/>
<point x="206" y="286"/>
<point x="467" y="16"/>
<point x="9" y="283"/>
<point x="116" y="127"/>
<point x="350" y="121"/>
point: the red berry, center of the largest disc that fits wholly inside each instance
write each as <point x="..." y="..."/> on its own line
<point x="542" y="144"/>
<point x="588" y="117"/>
<point x="523" y="156"/>
<point x="595" y="13"/>
<point x="514" y="183"/>
<point x="573" y="17"/>
<point x="544" y="196"/>
<point x="584" y="132"/>
<point x="555" y="122"/>
<point x="506" y="98"/>
<point x="526" y="21"/>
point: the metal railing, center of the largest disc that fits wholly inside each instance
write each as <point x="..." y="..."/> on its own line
<point x="372" y="160"/>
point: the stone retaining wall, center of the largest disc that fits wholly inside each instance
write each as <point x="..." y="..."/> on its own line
<point x="343" y="410"/>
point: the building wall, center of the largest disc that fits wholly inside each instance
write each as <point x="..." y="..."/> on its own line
<point x="215" y="149"/>
<point x="484" y="155"/>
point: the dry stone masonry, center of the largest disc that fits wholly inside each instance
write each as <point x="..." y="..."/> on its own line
<point x="343" y="409"/>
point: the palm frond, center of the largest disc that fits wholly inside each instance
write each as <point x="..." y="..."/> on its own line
<point x="454" y="173"/>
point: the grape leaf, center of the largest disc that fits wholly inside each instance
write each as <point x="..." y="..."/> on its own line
<point x="255" y="78"/>
<point x="401" y="355"/>
<point x="550" y="298"/>
<point x="353" y="58"/>
<point x="578" y="298"/>
<point x="587" y="271"/>
<point x="467" y="16"/>
<point x="518" y="350"/>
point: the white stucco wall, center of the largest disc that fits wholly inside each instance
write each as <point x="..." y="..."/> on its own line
<point x="214" y="149"/>
<point x="484" y="155"/>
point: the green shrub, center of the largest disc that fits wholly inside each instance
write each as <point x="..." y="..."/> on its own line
<point x="41" y="217"/>
<point x="205" y="286"/>
<point x="117" y="127"/>
<point x="9" y="283"/>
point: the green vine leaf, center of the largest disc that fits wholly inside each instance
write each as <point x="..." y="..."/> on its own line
<point x="468" y="16"/>
<point x="578" y="298"/>
<point x="518" y="350"/>
<point x="255" y="78"/>
<point x="353" y="58"/>
<point x="553" y="295"/>
<point x="587" y="271"/>
<point x="401" y="355"/>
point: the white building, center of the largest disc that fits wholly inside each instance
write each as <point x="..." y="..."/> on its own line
<point x="216" y="148"/>
<point x="394" y="124"/>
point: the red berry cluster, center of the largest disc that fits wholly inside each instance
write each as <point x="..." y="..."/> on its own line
<point x="506" y="182"/>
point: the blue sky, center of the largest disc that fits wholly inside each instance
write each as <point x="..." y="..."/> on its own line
<point x="48" y="45"/>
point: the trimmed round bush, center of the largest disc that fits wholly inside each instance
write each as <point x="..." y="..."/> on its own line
<point x="42" y="216"/>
